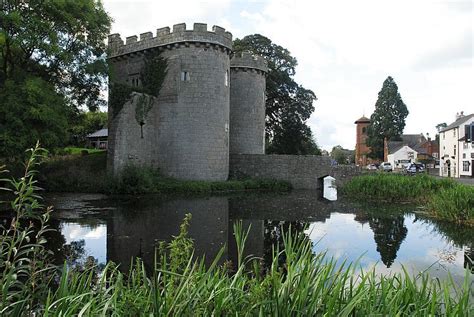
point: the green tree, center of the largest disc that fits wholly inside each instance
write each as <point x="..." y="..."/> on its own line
<point x="52" y="62"/>
<point x="388" y="119"/>
<point x="288" y="104"/>
<point x="87" y="123"/>
<point x="341" y="155"/>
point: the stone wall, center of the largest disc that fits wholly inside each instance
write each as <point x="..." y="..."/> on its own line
<point x="247" y="104"/>
<point x="302" y="171"/>
<point x="186" y="132"/>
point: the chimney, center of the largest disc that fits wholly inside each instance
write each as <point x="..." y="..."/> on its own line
<point x="459" y="115"/>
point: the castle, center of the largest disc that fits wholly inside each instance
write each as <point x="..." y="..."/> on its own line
<point x="211" y="103"/>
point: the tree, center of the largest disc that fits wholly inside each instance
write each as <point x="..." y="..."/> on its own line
<point x="441" y="126"/>
<point x="341" y="155"/>
<point x="87" y="123"/>
<point x="288" y="104"/>
<point x="388" y="119"/>
<point x="52" y="62"/>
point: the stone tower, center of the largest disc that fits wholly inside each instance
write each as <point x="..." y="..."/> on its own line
<point x="247" y="104"/>
<point x="362" y="150"/>
<point x="185" y="133"/>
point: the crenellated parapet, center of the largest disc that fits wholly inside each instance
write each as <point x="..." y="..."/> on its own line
<point x="199" y="35"/>
<point x="248" y="61"/>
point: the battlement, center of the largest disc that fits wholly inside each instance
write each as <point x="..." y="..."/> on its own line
<point x="164" y="37"/>
<point x="249" y="61"/>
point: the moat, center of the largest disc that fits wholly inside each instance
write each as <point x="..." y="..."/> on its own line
<point x="387" y="237"/>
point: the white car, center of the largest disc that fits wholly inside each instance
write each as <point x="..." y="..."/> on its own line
<point x="386" y="166"/>
<point x="371" y="167"/>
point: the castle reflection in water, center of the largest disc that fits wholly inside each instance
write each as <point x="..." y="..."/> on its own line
<point x="134" y="227"/>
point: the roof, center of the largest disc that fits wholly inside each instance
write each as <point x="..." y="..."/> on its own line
<point x="99" y="133"/>
<point x="414" y="141"/>
<point x="458" y="122"/>
<point x="363" y="119"/>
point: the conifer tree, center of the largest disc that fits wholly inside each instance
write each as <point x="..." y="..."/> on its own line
<point x="388" y="119"/>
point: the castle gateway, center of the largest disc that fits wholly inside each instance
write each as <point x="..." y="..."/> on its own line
<point x="181" y="102"/>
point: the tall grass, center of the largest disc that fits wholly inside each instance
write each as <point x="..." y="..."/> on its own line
<point x="180" y="284"/>
<point x="395" y="187"/>
<point x="455" y="204"/>
<point x="444" y="198"/>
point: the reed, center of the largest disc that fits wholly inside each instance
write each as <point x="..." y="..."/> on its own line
<point x="443" y="198"/>
<point x="454" y="204"/>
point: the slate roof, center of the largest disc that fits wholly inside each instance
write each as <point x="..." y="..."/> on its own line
<point x="414" y="141"/>
<point x="362" y="119"/>
<point x="99" y="134"/>
<point x="458" y="122"/>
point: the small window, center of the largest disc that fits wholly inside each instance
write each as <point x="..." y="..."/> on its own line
<point x="444" y="136"/>
<point x="464" y="155"/>
<point x="454" y="152"/>
<point x="364" y="130"/>
<point x="185" y="76"/>
<point x="227" y="78"/>
<point x="454" y="132"/>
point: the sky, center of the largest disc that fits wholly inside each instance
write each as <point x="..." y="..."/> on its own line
<point x="345" y="50"/>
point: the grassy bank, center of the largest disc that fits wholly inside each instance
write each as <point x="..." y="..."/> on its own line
<point x="443" y="198"/>
<point x="87" y="173"/>
<point x="305" y="284"/>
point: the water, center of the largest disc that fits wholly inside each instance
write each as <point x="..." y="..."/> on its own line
<point x="384" y="237"/>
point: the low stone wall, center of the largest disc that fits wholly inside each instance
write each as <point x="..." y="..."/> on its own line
<point x="302" y="171"/>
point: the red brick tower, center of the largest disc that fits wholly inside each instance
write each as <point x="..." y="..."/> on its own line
<point x="362" y="150"/>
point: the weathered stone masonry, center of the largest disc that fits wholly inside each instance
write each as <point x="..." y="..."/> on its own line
<point x="186" y="133"/>
<point x="302" y="171"/>
<point x="211" y="105"/>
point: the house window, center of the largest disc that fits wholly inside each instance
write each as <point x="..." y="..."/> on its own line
<point x="465" y="166"/>
<point x="185" y="76"/>
<point x="454" y="132"/>
<point x="454" y="152"/>
<point x="444" y="135"/>
<point x="364" y="130"/>
<point x="464" y="155"/>
<point x="227" y="78"/>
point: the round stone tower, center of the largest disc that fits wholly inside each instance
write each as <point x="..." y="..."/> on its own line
<point x="185" y="132"/>
<point x="247" y="104"/>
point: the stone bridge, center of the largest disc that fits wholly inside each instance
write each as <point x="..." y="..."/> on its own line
<point x="302" y="171"/>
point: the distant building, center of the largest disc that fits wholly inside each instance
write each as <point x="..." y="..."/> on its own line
<point x="456" y="147"/>
<point x="409" y="149"/>
<point x="98" y="139"/>
<point x="362" y="150"/>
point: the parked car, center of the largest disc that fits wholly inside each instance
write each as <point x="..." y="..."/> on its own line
<point x="386" y="167"/>
<point x="371" y="167"/>
<point x="415" y="168"/>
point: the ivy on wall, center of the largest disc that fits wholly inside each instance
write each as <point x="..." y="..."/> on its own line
<point x="152" y="76"/>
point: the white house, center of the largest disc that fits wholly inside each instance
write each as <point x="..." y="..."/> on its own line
<point x="453" y="151"/>
<point x="402" y="156"/>
<point x="466" y="166"/>
<point x="405" y="151"/>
